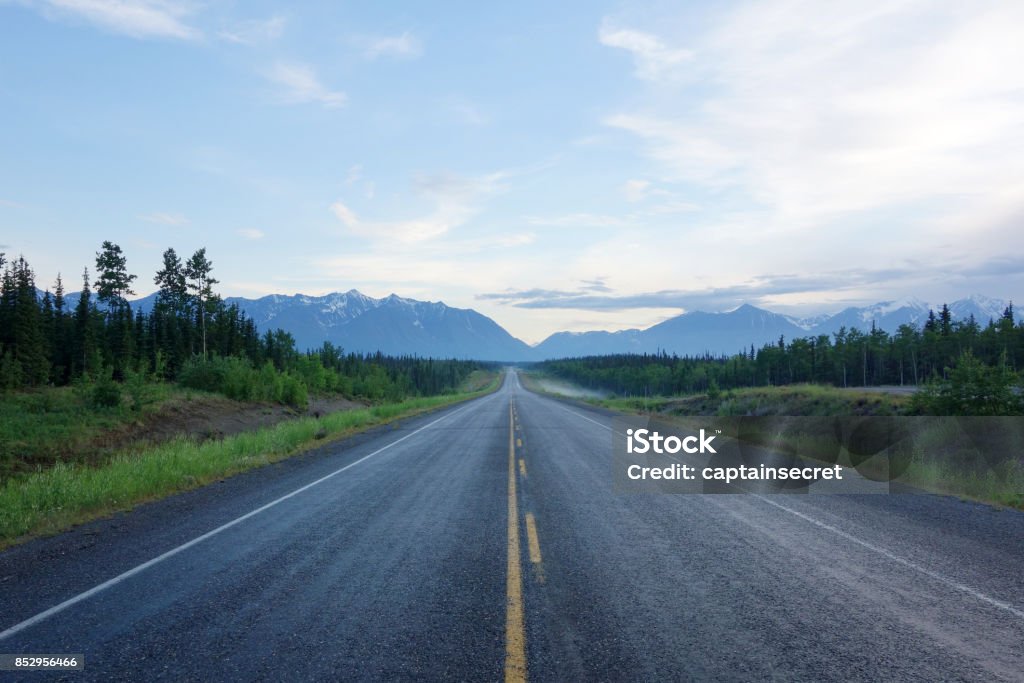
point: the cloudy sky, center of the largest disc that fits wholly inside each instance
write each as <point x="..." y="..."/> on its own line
<point x="571" y="165"/>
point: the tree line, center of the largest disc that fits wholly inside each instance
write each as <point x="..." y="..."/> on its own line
<point x="912" y="355"/>
<point x="191" y="335"/>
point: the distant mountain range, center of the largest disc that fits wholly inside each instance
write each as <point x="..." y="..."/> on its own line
<point x="396" y="325"/>
<point x="392" y="325"/>
<point x="697" y="332"/>
<point x="889" y="315"/>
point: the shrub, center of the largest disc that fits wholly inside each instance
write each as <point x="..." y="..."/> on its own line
<point x="206" y="374"/>
<point x="973" y="388"/>
<point x="237" y="379"/>
<point x="293" y="392"/>
<point x="105" y="393"/>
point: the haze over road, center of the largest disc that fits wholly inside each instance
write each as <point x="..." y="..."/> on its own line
<point x="486" y="541"/>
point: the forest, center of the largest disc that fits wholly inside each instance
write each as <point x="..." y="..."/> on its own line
<point x="97" y="342"/>
<point x="961" y="366"/>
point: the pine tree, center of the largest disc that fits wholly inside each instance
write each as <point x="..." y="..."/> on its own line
<point x="173" y="293"/>
<point x="8" y="294"/>
<point x="200" y="284"/>
<point x="143" y="343"/>
<point x="113" y="285"/>
<point x="945" y="321"/>
<point x="84" y="336"/>
<point x="28" y="343"/>
<point x="113" y="282"/>
<point x="48" y="320"/>
<point x="60" y="357"/>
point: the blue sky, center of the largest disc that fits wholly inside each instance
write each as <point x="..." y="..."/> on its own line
<point x="554" y="165"/>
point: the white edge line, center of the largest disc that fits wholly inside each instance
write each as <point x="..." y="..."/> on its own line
<point x="42" y="616"/>
<point x="963" y="588"/>
<point x="581" y="416"/>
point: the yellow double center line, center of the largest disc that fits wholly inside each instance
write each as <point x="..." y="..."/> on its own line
<point x="515" y="633"/>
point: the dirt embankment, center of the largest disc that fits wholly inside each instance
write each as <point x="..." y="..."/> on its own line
<point x="209" y="417"/>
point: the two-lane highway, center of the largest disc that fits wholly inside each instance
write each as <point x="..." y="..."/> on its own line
<point x="486" y="541"/>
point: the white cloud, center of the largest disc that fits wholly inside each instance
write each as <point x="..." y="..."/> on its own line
<point x="435" y="224"/>
<point x="250" y="233"/>
<point x="652" y="57"/>
<point x="516" y="239"/>
<point x="455" y="200"/>
<point x="345" y="215"/>
<point x="301" y="85"/>
<point x="404" y="46"/>
<point x="820" y="112"/>
<point x="578" y="220"/>
<point x="672" y="206"/>
<point x="255" y="31"/>
<point x="406" y="273"/>
<point x="162" y="218"/>
<point x="691" y="152"/>
<point x="636" y="190"/>
<point x="136" y="18"/>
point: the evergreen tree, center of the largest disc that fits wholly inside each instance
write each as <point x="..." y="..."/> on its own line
<point x="60" y="347"/>
<point x="28" y="341"/>
<point x="113" y="282"/>
<point x="84" y="334"/>
<point x="945" y="321"/>
<point x="173" y="292"/>
<point x="200" y="284"/>
<point x="113" y="285"/>
<point x="8" y="294"/>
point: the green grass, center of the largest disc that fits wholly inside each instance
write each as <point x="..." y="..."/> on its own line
<point x="796" y="399"/>
<point x="54" y="499"/>
<point x="634" y="404"/>
<point x="479" y="380"/>
<point x="1003" y="485"/>
<point x="47" y="425"/>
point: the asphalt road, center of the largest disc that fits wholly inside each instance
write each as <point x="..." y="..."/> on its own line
<point x="485" y="541"/>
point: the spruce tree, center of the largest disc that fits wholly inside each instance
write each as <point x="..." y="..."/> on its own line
<point x="60" y="352"/>
<point x="945" y="321"/>
<point x="200" y="284"/>
<point x="8" y="294"/>
<point x="113" y="285"/>
<point x="84" y="335"/>
<point x="29" y="342"/>
<point x="113" y="282"/>
<point x="173" y="293"/>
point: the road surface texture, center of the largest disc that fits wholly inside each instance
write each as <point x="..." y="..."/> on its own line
<point x="485" y="542"/>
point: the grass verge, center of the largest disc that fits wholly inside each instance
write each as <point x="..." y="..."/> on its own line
<point x="796" y="399"/>
<point x="46" y="425"/>
<point x="54" y="499"/>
